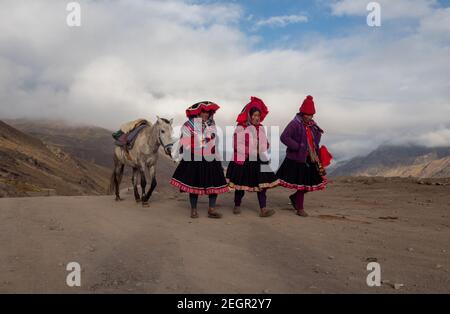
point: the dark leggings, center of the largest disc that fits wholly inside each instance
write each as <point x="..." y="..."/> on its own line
<point x="193" y="198"/>
<point x="299" y="199"/>
<point x="239" y="195"/>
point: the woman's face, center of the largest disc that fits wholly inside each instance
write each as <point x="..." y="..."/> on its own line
<point x="256" y="118"/>
<point x="204" y="115"/>
<point x="308" y="117"/>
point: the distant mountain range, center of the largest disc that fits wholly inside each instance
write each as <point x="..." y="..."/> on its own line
<point x="398" y="161"/>
<point x="39" y="157"/>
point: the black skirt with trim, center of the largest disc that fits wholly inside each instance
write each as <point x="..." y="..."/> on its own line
<point x="302" y="176"/>
<point x="249" y="177"/>
<point x="200" y="177"/>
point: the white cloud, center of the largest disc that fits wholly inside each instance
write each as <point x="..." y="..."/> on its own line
<point x="281" y="21"/>
<point x="142" y="58"/>
<point x="437" y="24"/>
<point x="439" y="137"/>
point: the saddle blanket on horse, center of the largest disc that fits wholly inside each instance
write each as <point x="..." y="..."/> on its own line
<point x="127" y="139"/>
<point x="130" y="126"/>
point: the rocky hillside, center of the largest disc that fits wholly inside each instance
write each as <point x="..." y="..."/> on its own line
<point x="399" y="161"/>
<point x="89" y="143"/>
<point x="30" y="167"/>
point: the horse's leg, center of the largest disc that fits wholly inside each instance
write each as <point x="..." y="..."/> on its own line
<point x="137" y="197"/>
<point x="143" y="182"/>
<point x="118" y="173"/>
<point x="149" y="177"/>
<point x="153" y="186"/>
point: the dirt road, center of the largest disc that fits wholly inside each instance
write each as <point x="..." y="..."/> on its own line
<point x="124" y="248"/>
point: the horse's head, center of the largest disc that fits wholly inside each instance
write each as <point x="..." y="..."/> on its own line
<point x="165" y="134"/>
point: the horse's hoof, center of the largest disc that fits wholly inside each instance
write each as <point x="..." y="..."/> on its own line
<point x="118" y="199"/>
<point x="138" y="201"/>
<point x="145" y="204"/>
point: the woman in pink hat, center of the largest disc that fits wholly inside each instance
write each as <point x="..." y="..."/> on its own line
<point x="245" y="172"/>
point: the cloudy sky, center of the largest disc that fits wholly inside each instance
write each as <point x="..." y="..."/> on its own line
<point x="140" y="58"/>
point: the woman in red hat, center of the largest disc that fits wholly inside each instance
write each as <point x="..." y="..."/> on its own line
<point x="249" y="169"/>
<point x="302" y="170"/>
<point x="200" y="171"/>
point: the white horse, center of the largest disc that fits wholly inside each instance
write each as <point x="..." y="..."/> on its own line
<point x="143" y="158"/>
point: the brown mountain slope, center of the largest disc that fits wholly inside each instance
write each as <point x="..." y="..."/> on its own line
<point x="30" y="167"/>
<point x="399" y="161"/>
<point x="90" y="143"/>
<point x="438" y="168"/>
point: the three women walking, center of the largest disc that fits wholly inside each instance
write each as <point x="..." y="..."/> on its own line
<point x="200" y="171"/>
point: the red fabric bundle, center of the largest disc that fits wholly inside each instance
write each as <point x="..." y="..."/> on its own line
<point x="255" y="102"/>
<point x="325" y="156"/>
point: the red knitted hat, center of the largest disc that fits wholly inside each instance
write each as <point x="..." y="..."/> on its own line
<point x="308" y="106"/>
